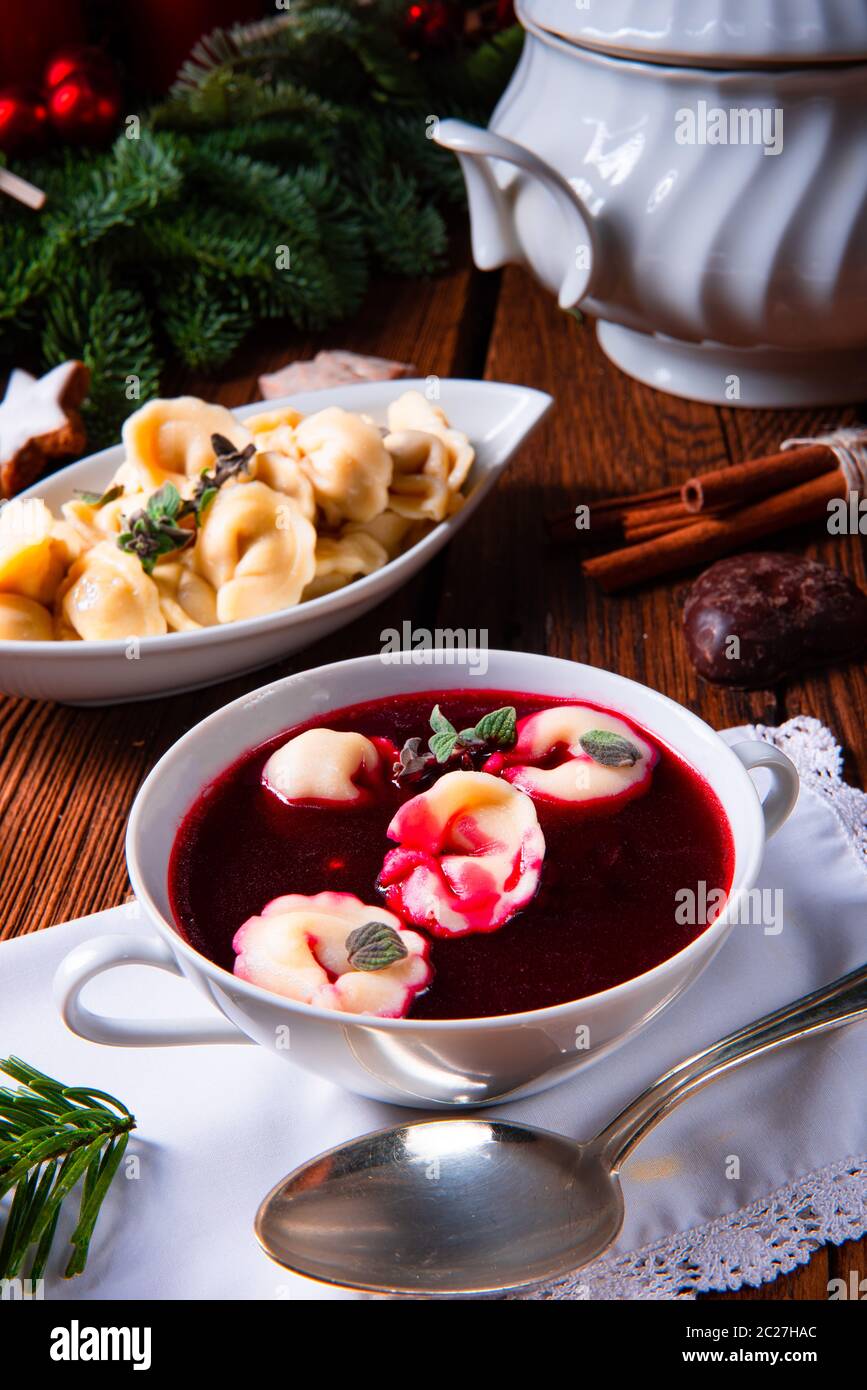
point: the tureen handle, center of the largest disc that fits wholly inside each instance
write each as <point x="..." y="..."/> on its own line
<point x="564" y="256"/>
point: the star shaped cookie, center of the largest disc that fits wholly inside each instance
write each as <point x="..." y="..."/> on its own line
<point x="39" y="420"/>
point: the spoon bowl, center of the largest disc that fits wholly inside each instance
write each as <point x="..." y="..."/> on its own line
<point x="440" y="1207"/>
<point x="479" y="1206"/>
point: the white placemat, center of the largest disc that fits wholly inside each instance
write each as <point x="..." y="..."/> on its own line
<point x="741" y="1183"/>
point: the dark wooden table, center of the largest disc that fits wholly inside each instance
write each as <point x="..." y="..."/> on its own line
<point x="67" y="777"/>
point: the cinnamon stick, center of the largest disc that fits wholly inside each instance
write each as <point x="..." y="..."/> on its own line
<point x="659" y="511"/>
<point x="742" y="482"/>
<point x="635" y="534"/>
<point x="608" y="513"/>
<point x="634" y="499"/>
<point x="711" y="538"/>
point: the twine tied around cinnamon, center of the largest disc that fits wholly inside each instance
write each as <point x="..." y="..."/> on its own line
<point x="849" y="447"/>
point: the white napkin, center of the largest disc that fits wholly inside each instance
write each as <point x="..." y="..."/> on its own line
<point x="218" y="1126"/>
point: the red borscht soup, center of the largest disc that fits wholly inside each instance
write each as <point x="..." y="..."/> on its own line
<point x="453" y="854"/>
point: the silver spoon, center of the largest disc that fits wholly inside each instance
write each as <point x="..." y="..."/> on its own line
<point x="476" y="1206"/>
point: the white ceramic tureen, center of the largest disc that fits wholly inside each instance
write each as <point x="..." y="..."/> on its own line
<point x="693" y="173"/>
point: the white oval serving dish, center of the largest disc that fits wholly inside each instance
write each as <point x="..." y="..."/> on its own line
<point x="496" y="416"/>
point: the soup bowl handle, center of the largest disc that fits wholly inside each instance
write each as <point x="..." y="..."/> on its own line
<point x="780" y="801"/>
<point x="103" y="953"/>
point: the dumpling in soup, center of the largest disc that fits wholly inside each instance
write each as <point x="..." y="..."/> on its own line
<point x="107" y="596"/>
<point x="257" y="550"/>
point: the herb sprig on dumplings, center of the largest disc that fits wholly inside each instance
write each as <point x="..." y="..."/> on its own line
<point x="158" y="529"/>
<point x="495" y="732"/>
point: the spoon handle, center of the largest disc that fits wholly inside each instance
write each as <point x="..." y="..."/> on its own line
<point x="842" y="1001"/>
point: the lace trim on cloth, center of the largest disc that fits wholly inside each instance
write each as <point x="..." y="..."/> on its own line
<point x="752" y="1246"/>
<point x="775" y="1234"/>
<point x="819" y="760"/>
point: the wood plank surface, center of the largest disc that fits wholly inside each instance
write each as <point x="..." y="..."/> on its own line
<point x="67" y="777"/>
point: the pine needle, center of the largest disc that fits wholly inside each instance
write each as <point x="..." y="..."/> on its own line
<point x="51" y="1137"/>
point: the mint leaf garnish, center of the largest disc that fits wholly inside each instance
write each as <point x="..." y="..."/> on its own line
<point x="499" y="729"/>
<point x="445" y="736"/>
<point x="374" y="946"/>
<point x="611" y="750"/>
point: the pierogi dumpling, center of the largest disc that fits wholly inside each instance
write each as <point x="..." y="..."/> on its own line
<point x="297" y="947"/>
<point x="169" y="440"/>
<point x="470" y="855"/>
<point x="256" y="549"/>
<point x="35" y="550"/>
<point x="343" y="558"/>
<point x="388" y="530"/>
<point x="329" y="765"/>
<point x="92" y="523"/>
<point x="347" y="463"/>
<point x="285" y="474"/>
<point x="24" y="620"/>
<point x="274" y="429"/>
<point x="420" y="483"/>
<point x="412" y="411"/>
<point x="578" y="777"/>
<point x="107" y="596"/>
<point x="188" y="601"/>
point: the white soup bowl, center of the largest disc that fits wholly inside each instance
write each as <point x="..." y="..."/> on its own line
<point x="429" y="1063"/>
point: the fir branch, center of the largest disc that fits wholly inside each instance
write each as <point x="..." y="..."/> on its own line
<point x="406" y="235"/>
<point x="226" y="97"/>
<point x="94" y="315"/>
<point x="25" y="267"/>
<point x="137" y="177"/>
<point x="52" y="1136"/>
<point x="204" y="316"/>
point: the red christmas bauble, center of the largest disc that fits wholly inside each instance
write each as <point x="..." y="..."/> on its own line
<point x="31" y="30"/>
<point x="23" y="120"/>
<point x="432" y="23"/>
<point x="84" y="109"/>
<point x="79" y="57"/>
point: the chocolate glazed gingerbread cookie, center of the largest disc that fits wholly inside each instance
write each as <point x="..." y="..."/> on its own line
<point x="752" y="619"/>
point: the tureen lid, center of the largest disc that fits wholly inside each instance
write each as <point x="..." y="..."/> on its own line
<point x="709" y="33"/>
